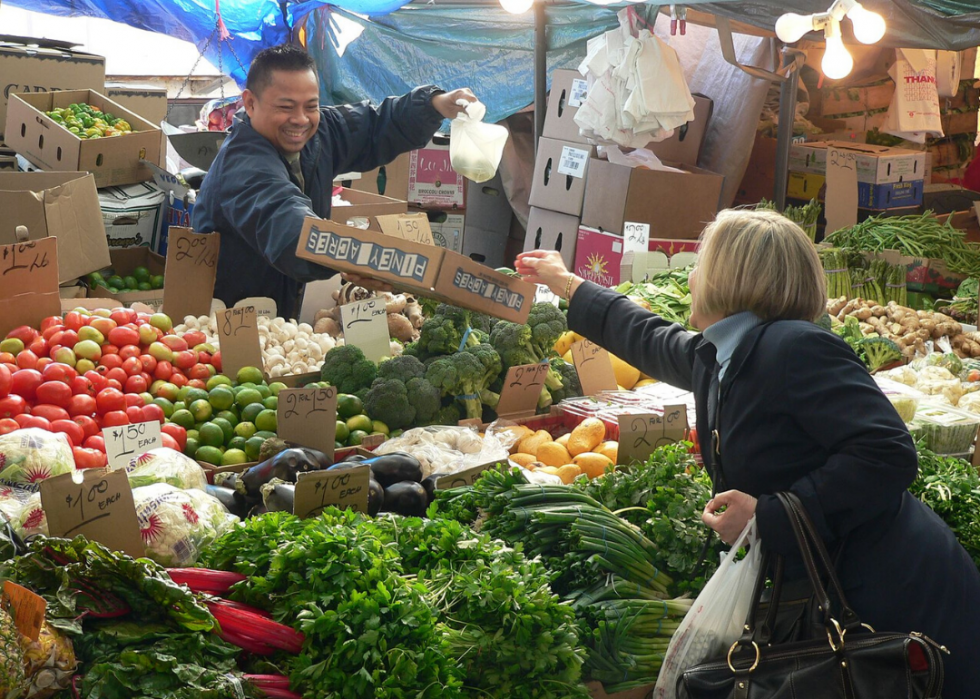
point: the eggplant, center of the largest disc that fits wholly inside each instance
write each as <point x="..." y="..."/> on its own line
<point x="406" y="498"/>
<point x="395" y="467"/>
<point x="318" y="456"/>
<point x="342" y="465"/>
<point x="376" y="497"/>
<point x="234" y="502"/>
<point x="278" y="496"/>
<point x="354" y="457"/>
<point x="258" y="510"/>
<point x="430" y="486"/>
<point x="285" y="466"/>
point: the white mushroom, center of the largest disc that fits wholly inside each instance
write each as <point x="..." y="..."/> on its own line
<point x="305" y="328"/>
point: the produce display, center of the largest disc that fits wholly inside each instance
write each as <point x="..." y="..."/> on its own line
<point x="405" y="315"/>
<point x="805" y="216"/>
<point x="140" y="280"/>
<point x="87" y="121"/>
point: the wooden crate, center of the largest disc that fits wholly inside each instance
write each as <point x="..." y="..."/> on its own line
<point x="838" y="101"/>
<point x="950" y="154"/>
<point x="955" y="123"/>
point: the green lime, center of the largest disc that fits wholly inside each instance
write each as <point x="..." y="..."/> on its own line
<point x="212" y="435"/>
<point x="233" y="456"/>
<point x="264" y="391"/>
<point x="247" y="396"/>
<point x="194" y="394"/>
<point x="356" y="437"/>
<point x="165" y="405"/>
<point x="252" y="447"/>
<point x="156" y="281"/>
<point x="267" y="421"/>
<point x="250" y="374"/>
<point x="142" y="274"/>
<point x="209" y="455"/>
<point x="237" y="443"/>
<point x="342" y="432"/>
<point x="348" y="405"/>
<point x="221" y="397"/>
<point x="182" y="393"/>
<point x="339" y="445"/>
<point x="396" y="434"/>
<point x="116" y="282"/>
<point x="130" y="282"/>
<point x="231" y="415"/>
<point x="144" y="286"/>
<point x="250" y="412"/>
<point x="179" y="405"/>
<point x="265" y="434"/>
<point x="193" y="434"/>
<point x="271" y="403"/>
<point x="218" y="380"/>
<point x="360" y="422"/>
<point x="276" y="386"/>
<point x="245" y="430"/>
<point x="190" y="449"/>
<point x="226" y="428"/>
<point x="201" y="410"/>
<point x="379" y="428"/>
<point x="182" y="418"/>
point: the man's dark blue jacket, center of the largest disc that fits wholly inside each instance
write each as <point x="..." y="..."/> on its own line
<point x="250" y="197"/>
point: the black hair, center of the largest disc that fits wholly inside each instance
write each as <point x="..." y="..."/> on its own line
<point x="286" y="57"/>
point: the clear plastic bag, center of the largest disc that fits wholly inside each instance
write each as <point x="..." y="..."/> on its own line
<point x="444" y="450"/>
<point x="475" y="148"/>
<point x="31" y="455"/>
<point x="177" y="525"/>
<point x="715" y="619"/>
<point x="165" y="465"/>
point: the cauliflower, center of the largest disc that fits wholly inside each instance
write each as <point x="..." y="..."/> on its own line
<point x="165" y="465"/>
<point x="971" y="402"/>
<point x="31" y="521"/>
<point x="31" y="455"/>
<point x="176" y="525"/>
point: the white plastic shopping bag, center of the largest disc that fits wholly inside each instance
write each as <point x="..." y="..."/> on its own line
<point x="715" y="620"/>
<point x="914" y="111"/>
<point x="475" y="148"/>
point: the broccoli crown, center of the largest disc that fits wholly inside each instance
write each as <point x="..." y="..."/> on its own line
<point x="547" y="324"/>
<point x="439" y="335"/>
<point x="346" y="368"/>
<point x="387" y="400"/>
<point x="879" y="351"/>
<point x="447" y="415"/>
<point x="513" y="343"/>
<point x="571" y="386"/>
<point x="462" y="376"/>
<point x="425" y="398"/>
<point x="402" y="368"/>
<point x="825" y="322"/>
<point x="492" y="366"/>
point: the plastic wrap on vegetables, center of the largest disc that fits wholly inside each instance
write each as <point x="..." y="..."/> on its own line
<point x="177" y="525"/>
<point x="31" y="455"/>
<point x="165" y="465"/>
<point x="442" y="450"/>
<point x="31" y="521"/>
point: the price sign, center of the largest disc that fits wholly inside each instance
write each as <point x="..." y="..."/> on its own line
<point x="595" y="371"/>
<point x="522" y="387"/>
<point x="28" y="283"/>
<point x="26" y="608"/>
<point x="192" y="263"/>
<point x="264" y="306"/>
<point x="842" y="189"/>
<point x="308" y="417"/>
<point x="639" y="435"/>
<point x="96" y="504"/>
<point x="546" y="295"/>
<point x="412" y="227"/>
<point x="573" y="162"/>
<point x="124" y="442"/>
<point x="238" y="336"/>
<point x="468" y="476"/>
<point x="365" y="324"/>
<point x="344" y="488"/>
<point x="636" y="237"/>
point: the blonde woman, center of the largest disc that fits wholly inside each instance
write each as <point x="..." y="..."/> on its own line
<point x="785" y="405"/>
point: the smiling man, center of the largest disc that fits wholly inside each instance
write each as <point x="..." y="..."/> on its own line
<point x="277" y="167"/>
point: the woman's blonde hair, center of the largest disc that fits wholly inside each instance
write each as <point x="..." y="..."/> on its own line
<point x="762" y="262"/>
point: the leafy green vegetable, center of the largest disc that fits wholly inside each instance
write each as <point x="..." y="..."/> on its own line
<point x="951" y="487"/>
<point x="667" y="293"/>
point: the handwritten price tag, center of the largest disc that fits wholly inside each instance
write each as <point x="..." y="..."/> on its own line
<point x="522" y="387"/>
<point x="308" y="417"/>
<point x="344" y="488"/>
<point x="639" y="435"/>
<point x="25" y="607"/>
<point x="238" y="336"/>
<point x="365" y="325"/>
<point x="842" y="189"/>
<point x="412" y="227"/>
<point x="594" y="368"/>
<point x="124" y="442"/>
<point x="467" y="476"/>
<point x="636" y="237"/>
<point x="192" y="262"/>
<point x="96" y="504"/>
<point x="28" y="283"/>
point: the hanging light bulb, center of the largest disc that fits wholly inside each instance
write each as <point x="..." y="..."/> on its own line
<point x="868" y="26"/>
<point x="516" y="7"/>
<point x="791" y="27"/>
<point x="837" y="62"/>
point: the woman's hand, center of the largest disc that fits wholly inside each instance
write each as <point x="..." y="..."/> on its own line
<point x="729" y="524"/>
<point x="445" y="102"/>
<point x="546" y="267"/>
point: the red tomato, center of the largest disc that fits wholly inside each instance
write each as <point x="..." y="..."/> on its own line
<point x="135" y="384"/>
<point x="24" y="333"/>
<point x="216" y="360"/>
<point x="26" y="360"/>
<point x="97" y="379"/>
<point x="177" y="344"/>
<point x="110" y="361"/>
<point x="109" y="400"/>
<point x="59" y="372"/>
<point x="39" y="347"/>
<point x="185" y="359"/>
<point x="5" y="380"/>
<point x="132" y="365"/>
<point x="88" y="458"/>
<point x="196" y="383"/>
<point x="12" y="406"/>
<point x="122" y="316"/>
<point x="178" y="379"/>
<point x="135" y="414"/>
<point x="50" y="411"/>
<point x="88" y="424"/>
<point x="66" y="338"/>
<point x="82" y="385"/>
<point x="170" y="442"/>
<point x="50" y="321"/>
<point x="118" y="374"/>
<point x="25" y="421"/>
<point x="96" y="441"/>
<point x="24" y="383"/>
<point x="43" y="362"/>
<point x="149" y="362"/>
<point x="8" y="425"/>
<point x="74" y="431"/>
<point x="54" y="393"/>
<point x="177" y="432"/>
<point x="147" y="378"/>
<point x="109" y="349"/>
<point x="163" y="371"/>
<point x="152" y="412"/>
<point x="199" y="371"/>
<point x="124" y="335"/>
<point x="204" y="357"/>
<point x="52" y="331"/>
<point x="115" y="418"/>
<point x="82" y="404"/>
<point x="193" y="338"/>
<point x="74" y="320"/>
<point x="130" y="351"/>
<point x="7" y="358"/>
<point x="112" y="383"/>
<point x="135" y="399"/>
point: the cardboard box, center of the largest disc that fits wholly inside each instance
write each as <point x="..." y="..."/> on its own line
<point x="488" y="212"/>
<point x="389" y="180"/>
<point x="878" y="197"/>
<point x="60" y="204"/>
<point x="177" y="213"/>
<point x="123" y="262"/>
<point x="424" y="269"/>
<point x="676" y="204"/>
<point x="133" y="215"/>
<point x="599" y="257"/>
<point x="44" y="65"/>
<point x="685" y="145"/>
<point x="447" y="229"/>
<point x="568" y="91"/>
<point x="365" y="205"/>
<point x="50" y="146"/>
<point x="550" y="230"/>
<point x="875" y="164"/>
<point x="560" y="171"/>
<point x="432" y="182"/>
<point x="147" y="101"/>
<point x="759" y="181"/>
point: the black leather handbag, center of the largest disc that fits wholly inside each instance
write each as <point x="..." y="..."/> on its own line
<point x="851" y="661"/>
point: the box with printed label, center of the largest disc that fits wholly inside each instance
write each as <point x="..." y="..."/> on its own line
<point x="147" y="101"/>
<point x="879" y="197"/>
<point x="560" y="170"/>
<point x="60" y="204"/>
<point x="123" y="262"/>
<point x="568" y="91"/>
<point x="447" y="229"/>
<point x="176" y="214"/>
<point x="112" y="160"/>
<point x="677" y="202"/>
<point x="432" y="182"/>
<point x="598" y="256"/>
<point x="428" y="270"/>
<point x="551" y="230"/>
<point x="133" y="214"/>
<point x="44" y="65"/>
<point x="875" y="164"/>
<point x="365" y="206"/>
<point x="389" y="180"/>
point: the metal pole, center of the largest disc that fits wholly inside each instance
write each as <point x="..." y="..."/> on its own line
<point x="787" y="117"/>
<point x="540" y="69"/>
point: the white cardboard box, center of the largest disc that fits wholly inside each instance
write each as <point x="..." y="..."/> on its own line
<point x="133" y="215"/>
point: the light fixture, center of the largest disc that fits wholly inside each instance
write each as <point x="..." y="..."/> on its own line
<point x="516" y="7"/>
<point x="837" y="62"/>
<point x="868" y="26"/>
<point x="791" y="27"/>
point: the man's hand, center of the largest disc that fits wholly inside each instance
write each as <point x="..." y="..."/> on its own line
<point x="739" y="508"/>
<point x="445" y="103"/>
<point x="367" y="282"/>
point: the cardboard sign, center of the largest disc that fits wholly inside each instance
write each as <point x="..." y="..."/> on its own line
<point x="192" y="264"/>
<point x="639" y="435"/>
<point x="412" y="227"/>
<point x="124" y="442"/>
<point x="595" y="371"/>
<point x="95" y="503"/>
<point x="308" y="417"/>
<point x="344" y="488"/>
<point x="546" y="295"/>
<point x="636" y="237"/>
<point x="522" y="387"/>
<point x="468" y="476"/>
<point x="28" y="283"/>
<point x="365" y="325"/>
<point x="263" y="305"/>
<point x="842" y="189"/>
<point x="238" y="338"/>
<point x="26" y="608"/>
